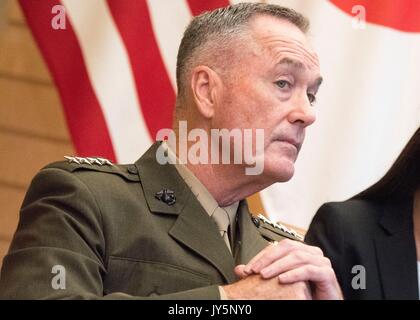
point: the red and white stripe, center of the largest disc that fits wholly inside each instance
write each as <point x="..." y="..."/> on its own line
<point x="114" y="66"/>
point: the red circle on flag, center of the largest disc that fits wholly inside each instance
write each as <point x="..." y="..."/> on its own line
<point x="402" y="15"/>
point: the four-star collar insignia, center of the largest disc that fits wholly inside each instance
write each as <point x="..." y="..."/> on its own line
<point x="262" y="222"/>
<point x="89" y="161"/>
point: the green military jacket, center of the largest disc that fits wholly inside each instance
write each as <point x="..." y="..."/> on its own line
<point x="105" y="226"/>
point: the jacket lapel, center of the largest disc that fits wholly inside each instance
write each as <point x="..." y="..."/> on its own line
<point x="196" y="230"/>
<point x="396" y="253"/>
<point x="154" y="177"/>
<point x="193" y="226"/>
<point x="250" y="240"/>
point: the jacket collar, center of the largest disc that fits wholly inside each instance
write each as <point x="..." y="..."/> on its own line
<point x="193" y="226"/>
<point x="397" y="217"/>
<point x="396" y="252"/>
<point x="154" y="177"/>
<point x="250" y="240"/>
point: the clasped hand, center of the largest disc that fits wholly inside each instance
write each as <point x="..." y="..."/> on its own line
<point x="286" y="270"/>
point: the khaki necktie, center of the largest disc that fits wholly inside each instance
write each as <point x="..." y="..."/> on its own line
<point x="220" y="216"/>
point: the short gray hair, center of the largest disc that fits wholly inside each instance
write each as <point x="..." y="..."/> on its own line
<point x="221" y="25"/>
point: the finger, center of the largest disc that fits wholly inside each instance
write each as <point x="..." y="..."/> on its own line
<point x="325" y="282"/>
<point x="274" y="253"/>
<point x="307" y="273"/>
<point x="268" y="255"/>
<point x="294" y="260"/>
<point x="249" y="265"/>
<point x="239" y="271"/>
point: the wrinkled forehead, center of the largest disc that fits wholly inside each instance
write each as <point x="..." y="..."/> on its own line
<point x="279" y="38"/>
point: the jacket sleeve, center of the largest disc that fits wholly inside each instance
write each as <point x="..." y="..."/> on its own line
<point x="326" y="232"/>
<point x="58" y="250"/>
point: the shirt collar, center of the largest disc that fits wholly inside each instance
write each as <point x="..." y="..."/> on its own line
<point x="203" y="196"/>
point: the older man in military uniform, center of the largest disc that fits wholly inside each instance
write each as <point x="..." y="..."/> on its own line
<point x="92" y="229"/>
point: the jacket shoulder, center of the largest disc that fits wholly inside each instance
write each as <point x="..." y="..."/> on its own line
<point x="351" y="211"/>
<point x="95" y="165"/>
<point x="351" y="221"/>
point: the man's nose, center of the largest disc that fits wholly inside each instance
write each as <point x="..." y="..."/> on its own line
<point x="302" y="112"/>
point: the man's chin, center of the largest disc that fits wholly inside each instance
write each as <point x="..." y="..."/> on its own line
<point x="281" y="171"/>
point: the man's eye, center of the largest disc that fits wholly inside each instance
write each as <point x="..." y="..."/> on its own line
<point x="283" y="84"/>
<point x="311" y="98"/>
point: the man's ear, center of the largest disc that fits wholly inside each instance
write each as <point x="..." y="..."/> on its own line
<point x="205" y="84"/>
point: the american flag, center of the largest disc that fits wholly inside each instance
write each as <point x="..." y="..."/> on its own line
<point x="114" y="67"/>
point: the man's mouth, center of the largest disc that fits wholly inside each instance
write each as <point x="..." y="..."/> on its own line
<point x="291" y="141"/>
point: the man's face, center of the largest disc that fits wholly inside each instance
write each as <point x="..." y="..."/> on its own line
<point x="273" y="88"/>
